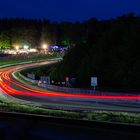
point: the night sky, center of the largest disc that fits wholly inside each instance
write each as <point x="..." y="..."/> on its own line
<point x="67" y="10"/>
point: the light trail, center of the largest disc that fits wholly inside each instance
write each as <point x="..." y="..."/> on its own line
<point x="6" y="81"/>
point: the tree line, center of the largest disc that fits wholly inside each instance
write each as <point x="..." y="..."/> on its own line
<point x="107" y="49"/>
<point x="35" y="32"/>
<point x="111" y="52"/>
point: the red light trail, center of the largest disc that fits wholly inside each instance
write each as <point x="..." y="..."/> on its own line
<point x="6" y="82"/>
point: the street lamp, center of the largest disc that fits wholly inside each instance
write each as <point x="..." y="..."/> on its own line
<point x="45" y="47"/>
<point x="17" y="47"/>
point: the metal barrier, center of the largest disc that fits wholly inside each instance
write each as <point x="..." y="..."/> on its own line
<point x="58" y="88"/>
<point x="67" y="89"/>
<point x="28" y="79"/>
<point x="72" y="90"/>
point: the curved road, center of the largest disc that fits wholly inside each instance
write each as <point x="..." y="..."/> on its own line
<point x="38" y="96"/>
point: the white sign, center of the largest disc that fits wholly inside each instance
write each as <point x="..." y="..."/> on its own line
<point x="94" y="81"/>
<point x="45" y="79"/>
<point x="31" y="76"/>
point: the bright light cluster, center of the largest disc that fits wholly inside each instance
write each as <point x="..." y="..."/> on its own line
<point x="20" y="51"/>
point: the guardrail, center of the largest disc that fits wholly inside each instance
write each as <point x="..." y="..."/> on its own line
<point x="28" y="79"/>
<point x="58" y="88"/>
<point x="67" y="89"/>
<point x="72" y="90"/>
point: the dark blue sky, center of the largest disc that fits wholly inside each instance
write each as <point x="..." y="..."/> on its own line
<point x="67" y="10"/>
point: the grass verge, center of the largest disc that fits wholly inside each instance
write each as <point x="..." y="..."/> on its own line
<point x="12" y="106"/>
<point x="22" y="80"/>
<point x="20" y="60"/>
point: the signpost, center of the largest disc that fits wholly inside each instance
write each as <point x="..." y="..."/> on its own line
<point x="94" y="82"/>
<point x="67" y="81"/>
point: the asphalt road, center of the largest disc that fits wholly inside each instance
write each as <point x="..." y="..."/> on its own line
<point x="29" y="94"/>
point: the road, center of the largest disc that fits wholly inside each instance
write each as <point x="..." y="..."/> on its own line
<point x="27" y="93"/>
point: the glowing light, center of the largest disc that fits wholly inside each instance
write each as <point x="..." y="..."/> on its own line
<point x="45" y="46"/>
<point x="32" y="50"/>
<point x="17" y="47"/>
<point x="26" y="47"/>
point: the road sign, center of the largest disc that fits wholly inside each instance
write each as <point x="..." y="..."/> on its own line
<point x="31" y="76"/>
<point x="45" y="79"/>
<point x="94" y="81"/>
